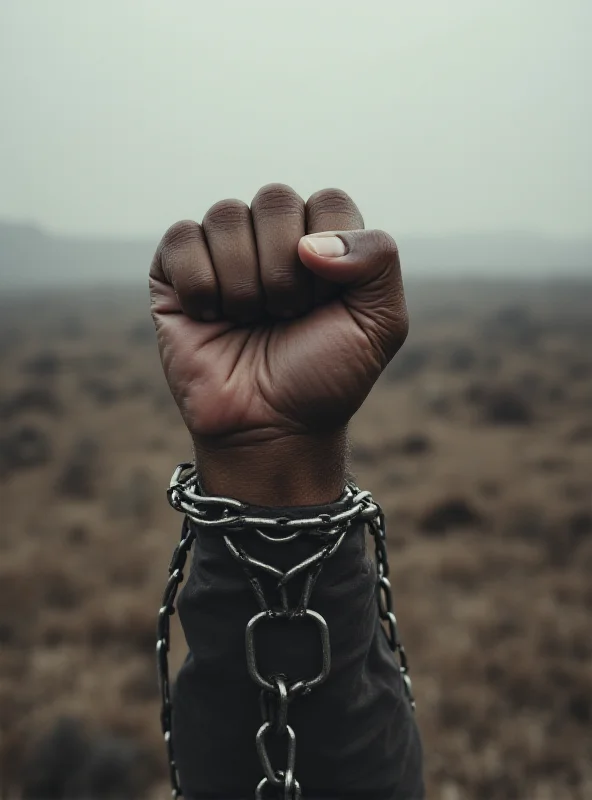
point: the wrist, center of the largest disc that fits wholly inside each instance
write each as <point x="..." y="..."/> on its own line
<point x="294" y="470"/>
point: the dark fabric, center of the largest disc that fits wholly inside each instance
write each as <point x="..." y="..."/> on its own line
<point x="356" y="734"/>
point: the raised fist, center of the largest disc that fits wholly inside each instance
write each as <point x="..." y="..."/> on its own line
<point x="273" y="324"/>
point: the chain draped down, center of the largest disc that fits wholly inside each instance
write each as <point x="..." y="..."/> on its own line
<point x="276" y="692"/>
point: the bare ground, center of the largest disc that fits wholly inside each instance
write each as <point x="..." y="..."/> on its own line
<point x="478" y="442"/>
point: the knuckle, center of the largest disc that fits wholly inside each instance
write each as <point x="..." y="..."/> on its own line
<point x="179" y="236"/>
<point x="226" y="214"/>
<point x="386" y="243"/>
<point x="277" y="198"/>
<point x="399" y="334"/>
<point x="331" y="201"/>
<point x="383" y="248"/>
<point x="401" y="325"/>
<point x="181" y="233"/>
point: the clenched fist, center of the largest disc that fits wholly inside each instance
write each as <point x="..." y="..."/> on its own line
<point x="273" y="324"/>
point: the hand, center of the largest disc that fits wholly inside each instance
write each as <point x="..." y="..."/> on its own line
<point x="271" y="338"/>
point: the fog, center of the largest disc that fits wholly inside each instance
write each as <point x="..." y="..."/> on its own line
<point x="439" y="118"/>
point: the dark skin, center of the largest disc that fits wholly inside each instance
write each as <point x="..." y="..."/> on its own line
<point x="270" y="347"/>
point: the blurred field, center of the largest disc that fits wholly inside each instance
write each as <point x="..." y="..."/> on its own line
<point x="478" y="442"/>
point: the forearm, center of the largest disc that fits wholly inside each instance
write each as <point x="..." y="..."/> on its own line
<point x="355" y="732"/>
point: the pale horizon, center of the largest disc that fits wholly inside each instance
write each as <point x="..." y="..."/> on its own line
<point x="438" y="118"/>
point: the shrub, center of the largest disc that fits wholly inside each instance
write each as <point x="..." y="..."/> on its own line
<point x="79" y="474"/>
<point x="33" y="398"/>
<point x="24" y="448"/>
<point x="70" y="763"/>
<point x="43" y="365"/>
<point x="449" y="514"/>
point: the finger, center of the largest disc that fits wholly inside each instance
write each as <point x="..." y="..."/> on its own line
<point x="367" y="263"/>
<point x="231" y="242"/>
<point x="331" y="210"/>
<point x="182" y="260"/>
<point x="279" y="222"/>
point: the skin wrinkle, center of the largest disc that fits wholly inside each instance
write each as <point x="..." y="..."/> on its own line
<point x="225" y="215"/>
<point x="176" y="237"/>
<point x="376" y="340"/>
<point x="277" y="199"/>
<point x="280" y="207"/>
<point x="329" y="203"/>
<point x="241" y="351"/>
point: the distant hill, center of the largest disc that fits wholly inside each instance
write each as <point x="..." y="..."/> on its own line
<point x="29" y="255"/>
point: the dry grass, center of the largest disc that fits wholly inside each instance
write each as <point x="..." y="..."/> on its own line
<point x="478" y="442"/>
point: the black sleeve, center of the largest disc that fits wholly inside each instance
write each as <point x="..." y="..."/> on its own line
<point x="356" y="734"/>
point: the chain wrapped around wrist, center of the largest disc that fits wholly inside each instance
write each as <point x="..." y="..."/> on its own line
<point x="231" y="517"/>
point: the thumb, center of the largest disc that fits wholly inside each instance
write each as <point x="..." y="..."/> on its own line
<point x="366" y="264"/>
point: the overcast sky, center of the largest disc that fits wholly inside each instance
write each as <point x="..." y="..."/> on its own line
<point x="121" y="116"/>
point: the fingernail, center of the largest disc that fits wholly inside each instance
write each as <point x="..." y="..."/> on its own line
<point x="323" y="245"/>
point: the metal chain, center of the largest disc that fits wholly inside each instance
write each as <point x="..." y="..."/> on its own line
<point x="384" y="600"/>
<point x="277" y="692"/>
<point x="163" y="634"/>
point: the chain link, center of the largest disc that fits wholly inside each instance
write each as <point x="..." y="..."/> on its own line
<point x="277" y="692"/>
